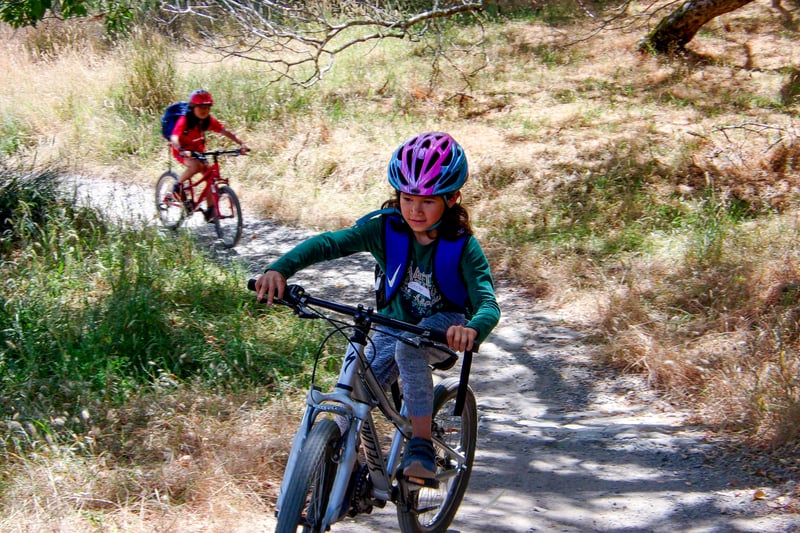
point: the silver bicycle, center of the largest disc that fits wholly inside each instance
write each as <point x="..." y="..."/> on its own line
<point x="327" y="478"/>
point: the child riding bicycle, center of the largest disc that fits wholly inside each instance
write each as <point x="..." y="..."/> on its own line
<point x="189" y="135"/>
<point x="421" y="286"/>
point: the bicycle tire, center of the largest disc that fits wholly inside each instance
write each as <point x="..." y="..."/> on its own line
<point x="171" y="211"/>
<point x="228" y="223"/>
<point x="307" y="493"/>
<point x="432" y="510"/>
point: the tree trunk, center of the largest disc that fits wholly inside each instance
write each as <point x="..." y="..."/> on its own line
<point x="675" y="30"/>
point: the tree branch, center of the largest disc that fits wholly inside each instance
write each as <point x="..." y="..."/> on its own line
<point x="299" y="40"/>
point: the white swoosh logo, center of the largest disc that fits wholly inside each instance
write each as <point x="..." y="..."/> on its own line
<point x="394" y="276"/>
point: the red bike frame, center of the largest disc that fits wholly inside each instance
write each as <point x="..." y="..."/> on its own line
<point x="212" y="179"/>
<point x="222" y="207"/>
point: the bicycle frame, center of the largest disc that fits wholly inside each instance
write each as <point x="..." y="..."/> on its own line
<point x="354" y="397"/>
<point x="212" y="179"/>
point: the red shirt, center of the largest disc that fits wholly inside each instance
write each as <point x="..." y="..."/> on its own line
<point x="195" y="138"/>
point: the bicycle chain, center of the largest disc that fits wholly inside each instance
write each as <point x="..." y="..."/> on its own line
<point x="362" y="502"/>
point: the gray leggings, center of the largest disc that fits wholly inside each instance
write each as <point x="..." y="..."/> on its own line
<point x="390" y="358"/>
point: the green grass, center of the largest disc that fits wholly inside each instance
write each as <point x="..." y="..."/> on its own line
<point x="14" y="135"/>
<point x="554" y="14"/>
<point x="91" y="313"/>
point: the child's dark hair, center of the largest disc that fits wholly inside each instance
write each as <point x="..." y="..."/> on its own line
<point x="192" y="121"/>
<point x="455" y="220"/>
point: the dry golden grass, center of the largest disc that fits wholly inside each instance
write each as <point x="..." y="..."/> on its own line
<point x="185" y="453"/>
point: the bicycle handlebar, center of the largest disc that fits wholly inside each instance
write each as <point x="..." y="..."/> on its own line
<point x="297" y="298"/>
<point x="216" y="153"/>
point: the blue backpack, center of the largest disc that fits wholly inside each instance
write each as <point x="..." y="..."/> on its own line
<point x="397" y="243"/>
<point x="171" y="116"/>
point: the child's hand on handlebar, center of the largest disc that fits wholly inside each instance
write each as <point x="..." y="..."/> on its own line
<point x="270" y="284"/>
<point x="461" y="338"/>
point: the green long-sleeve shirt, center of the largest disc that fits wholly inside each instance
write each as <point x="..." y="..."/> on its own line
<point x="418" y="296"/>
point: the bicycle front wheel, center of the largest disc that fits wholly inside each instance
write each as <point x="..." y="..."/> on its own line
<point x="169" y="208"/>
<point x="307" y="493"/>
<point x="432" y="510"/>
<point x="228" y="221"/>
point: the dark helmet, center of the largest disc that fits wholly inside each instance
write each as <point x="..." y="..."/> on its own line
<point x="429" y="164"/>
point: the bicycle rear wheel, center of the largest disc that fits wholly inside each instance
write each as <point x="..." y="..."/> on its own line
<point x="228" y="221"/>
<point x="307" y="493"/>
<point x="432" y="510"/>
<point x="169" y="208"/>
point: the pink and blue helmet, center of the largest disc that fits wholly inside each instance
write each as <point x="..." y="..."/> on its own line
<point x="429" y="164"/>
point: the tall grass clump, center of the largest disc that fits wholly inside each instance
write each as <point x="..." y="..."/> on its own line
<point x="52" y="38"/>
<point x="150" y="78"/>
<point x="150" y="83"/>
<point x="14" y="135"/>
<point x="244" y="101"/>
<point x="26" y="200"/>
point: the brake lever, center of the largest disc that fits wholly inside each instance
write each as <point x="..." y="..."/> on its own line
<point x="302" y="312"/>
<point x="298" y="307"/>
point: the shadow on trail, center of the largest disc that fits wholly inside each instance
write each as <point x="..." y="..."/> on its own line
<point x="561" y="449"/>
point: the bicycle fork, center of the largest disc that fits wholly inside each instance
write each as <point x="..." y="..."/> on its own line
<point x="351" y="403"/>
<point x="339" y="403"/>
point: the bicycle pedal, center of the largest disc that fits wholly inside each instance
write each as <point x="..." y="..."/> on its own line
<point x="417" y="483"/>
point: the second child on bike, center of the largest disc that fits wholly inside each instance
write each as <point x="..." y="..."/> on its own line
<point x="436" y="275"/>
<point x="189" y="135"/>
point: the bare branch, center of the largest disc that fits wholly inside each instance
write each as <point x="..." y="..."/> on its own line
<point x="300" y="39"/>
<point x="622" y="18"/>
<point x="790" y="132"/>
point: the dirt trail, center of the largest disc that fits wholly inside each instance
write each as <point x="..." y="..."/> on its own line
<point x="564" y="444"/>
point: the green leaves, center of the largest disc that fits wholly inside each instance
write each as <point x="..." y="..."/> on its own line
<point x="21" y="13"/>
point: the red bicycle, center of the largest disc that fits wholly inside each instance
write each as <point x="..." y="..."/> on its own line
<point x="210" y="195"/>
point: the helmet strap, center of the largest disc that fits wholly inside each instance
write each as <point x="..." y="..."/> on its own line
<point x="435" y="225"/>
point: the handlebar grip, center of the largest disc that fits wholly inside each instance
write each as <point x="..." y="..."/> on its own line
<point x="438" y="336"/>
<point x="292" y="295"/>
